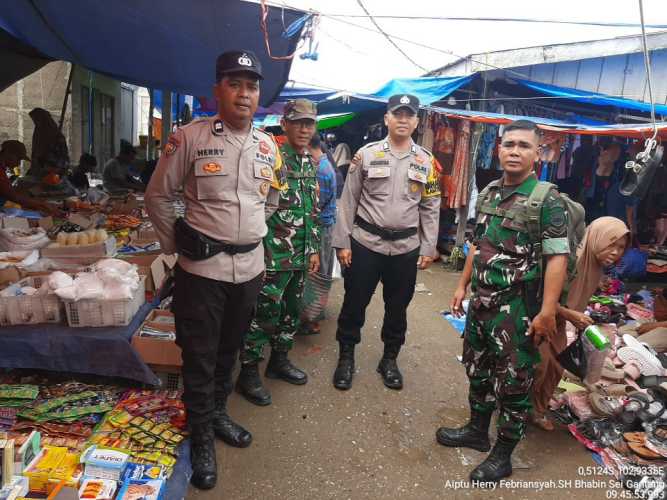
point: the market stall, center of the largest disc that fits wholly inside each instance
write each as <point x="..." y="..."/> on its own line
<point x="81" y="299"/>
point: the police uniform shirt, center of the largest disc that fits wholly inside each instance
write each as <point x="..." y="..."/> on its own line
<point x="392" y="190"/>
<point x="230" y="186"/>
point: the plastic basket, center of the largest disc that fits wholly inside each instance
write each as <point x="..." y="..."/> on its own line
<point x="30" y="309"/>
<point x="94" y="312"/>
<point x="170" y="377"/>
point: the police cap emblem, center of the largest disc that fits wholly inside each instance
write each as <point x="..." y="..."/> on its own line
<point x="244" y="60"/>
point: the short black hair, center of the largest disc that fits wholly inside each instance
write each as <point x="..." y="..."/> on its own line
<point x="522" y="125"/>
<point x="315" y="141"/>
<point x="88" y="159"/>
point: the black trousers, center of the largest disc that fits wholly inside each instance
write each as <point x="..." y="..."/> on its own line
<point x="398" y="274"/>
<point x="211" y="318"/>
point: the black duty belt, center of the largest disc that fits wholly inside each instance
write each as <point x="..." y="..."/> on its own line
<point x="385" y="234"/>
<point x="195" y="245"/>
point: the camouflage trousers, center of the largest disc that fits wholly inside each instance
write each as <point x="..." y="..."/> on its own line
<point x="278" y="314"/>
<point x="500" y="363"/>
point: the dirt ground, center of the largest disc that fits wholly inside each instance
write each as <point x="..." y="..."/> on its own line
<point x="315" y="442"/>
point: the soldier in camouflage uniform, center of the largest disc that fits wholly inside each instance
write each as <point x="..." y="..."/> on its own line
<point x="505" y="311"/>
<point x="292" y="249"/>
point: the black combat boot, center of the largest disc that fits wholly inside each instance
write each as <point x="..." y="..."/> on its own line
<point x="391" y="375"/>
<point x="202" y="451"/>
<point x="342" y="378"/>
<point x="497" y="465"/>
<point x="282" y="368"/>
<point x="249" y="385"/>
<point x="225" y="428"/>
<point x="475" y="434"/>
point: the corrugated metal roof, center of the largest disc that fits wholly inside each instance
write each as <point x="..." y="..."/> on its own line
<point x="613" y="66"/>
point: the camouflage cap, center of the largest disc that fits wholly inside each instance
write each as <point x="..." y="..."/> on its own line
<point x="299" y="109"/>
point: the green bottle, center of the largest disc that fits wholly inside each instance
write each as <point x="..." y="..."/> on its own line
<point x="597" y="338"/>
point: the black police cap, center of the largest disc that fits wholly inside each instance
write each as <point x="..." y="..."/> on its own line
<point x="398" y="101"/>
<point x="235" y="61"/>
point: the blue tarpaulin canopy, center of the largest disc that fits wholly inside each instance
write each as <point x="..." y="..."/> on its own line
<point x="168" y="44"/>
<point x="427" y="89"/>
<point x="591" y="98"/>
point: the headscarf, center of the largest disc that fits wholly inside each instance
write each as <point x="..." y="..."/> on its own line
<point x="601" y="233"/>
<point x="48" y="143"/>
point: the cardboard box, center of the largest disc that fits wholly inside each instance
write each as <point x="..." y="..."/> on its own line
<point x="155" y="266"/>
<point x="9" y="275"/>
<point x="52" y="463"/>
<point x="164" y="353"/>
<point x="80" y="254"/>
<point x="27" y="452"/>
<point x="6" y="462"/>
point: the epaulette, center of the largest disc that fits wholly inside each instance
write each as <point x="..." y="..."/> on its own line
<point x="370" y="145"/>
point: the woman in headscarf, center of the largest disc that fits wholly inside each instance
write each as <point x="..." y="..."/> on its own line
<point x="49" y="147"/>
<point x="604" y="243"/>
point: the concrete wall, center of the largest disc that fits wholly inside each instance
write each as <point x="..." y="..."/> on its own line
<point x="44" y="89"/>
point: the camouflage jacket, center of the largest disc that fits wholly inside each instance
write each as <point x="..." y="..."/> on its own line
<point x="294" y="229"/>
<point x="505" y="260"/>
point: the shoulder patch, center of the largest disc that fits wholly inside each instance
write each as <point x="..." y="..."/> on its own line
<point x="173" y="143"/>
<point x="432" y="186"/>
<point x="279" y="171"/>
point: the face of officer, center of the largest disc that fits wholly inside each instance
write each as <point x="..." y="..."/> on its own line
<point x="238" y="97"/>
<point x="401" y="123"/>
<point x="518" y="152"/>
<point x="298" y="132"/>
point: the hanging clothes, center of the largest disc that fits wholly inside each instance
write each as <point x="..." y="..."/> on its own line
<point x="443" y="145"/>
<point x="461" y="167"/>
<point x="487" y="146"/>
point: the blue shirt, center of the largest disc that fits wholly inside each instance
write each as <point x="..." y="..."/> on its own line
<point x="326" y="178"/>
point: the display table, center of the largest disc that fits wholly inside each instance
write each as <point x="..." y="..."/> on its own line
<point x="57" y="347"/>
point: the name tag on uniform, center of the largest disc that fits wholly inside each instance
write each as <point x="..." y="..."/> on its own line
<point x="378" y="172"/>
<point x="416" y="176"/>
<point x="206" y="168"/>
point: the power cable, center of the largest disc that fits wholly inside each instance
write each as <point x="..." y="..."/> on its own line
<point x="503" y="19"/>
<point x="417" y="44"/>
<point x="647" y="63"/>
<point x="389" y="39"/>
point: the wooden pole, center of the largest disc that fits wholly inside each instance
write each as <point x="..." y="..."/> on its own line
<point x="68" y="91"/>
<point x="166" y="117"/>
<point x="150" y="149"/>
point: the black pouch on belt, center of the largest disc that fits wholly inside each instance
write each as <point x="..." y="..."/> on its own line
<point x="197" y="246"/>
<point x="193" y="244"/>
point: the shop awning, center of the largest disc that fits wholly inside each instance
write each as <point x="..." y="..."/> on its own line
<point x="591" y="98"/>
<point x="168" y="44"/>
<point x="638" y="131"/>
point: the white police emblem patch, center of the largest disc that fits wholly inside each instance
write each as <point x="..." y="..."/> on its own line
<point x="405" y="100"/>
<point x="244" y="60"/>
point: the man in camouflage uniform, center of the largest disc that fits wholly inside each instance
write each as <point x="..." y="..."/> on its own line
<point x="507" y="283"/>
<point x="292" y="249"/>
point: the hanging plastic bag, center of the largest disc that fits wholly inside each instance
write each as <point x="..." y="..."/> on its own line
<point x="315" y="297"/>
<point x="583" y="359"/>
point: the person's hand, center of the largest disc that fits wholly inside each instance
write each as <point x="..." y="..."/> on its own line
<point x="579" y="319"/>
<point x="646" y="327"/>
<point x="542" y="327"/>
<point x="424" y="261"/>
<point x="314" y="263"/>
<point x="344" y="257"/>
<point x="457" y="301"/>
